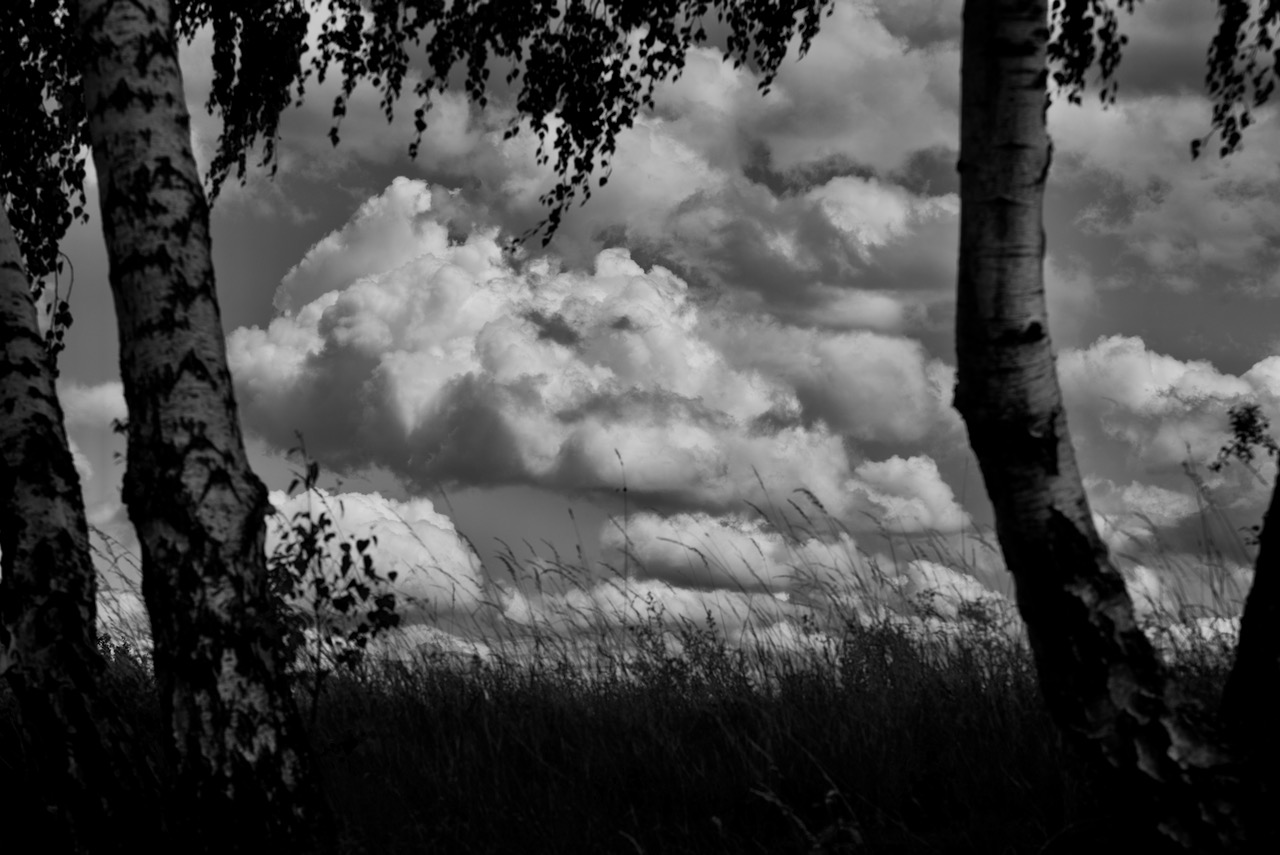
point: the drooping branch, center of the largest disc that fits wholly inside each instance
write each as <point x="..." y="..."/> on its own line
<point x="1242" y="69"/>
<point x="580" y="71"/>
<point x="42" y="161"/>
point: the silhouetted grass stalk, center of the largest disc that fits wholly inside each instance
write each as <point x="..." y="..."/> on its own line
<point x="841" y="715"/>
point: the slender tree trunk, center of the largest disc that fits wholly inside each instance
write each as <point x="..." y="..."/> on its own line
<point x="48" y="611"/>
<point x="1099" y="674"/>
<point x="246" y="778"/>
<point x="1248" y="704"/>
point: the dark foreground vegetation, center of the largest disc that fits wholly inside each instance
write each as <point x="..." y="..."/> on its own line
<point x="888" y="740"/>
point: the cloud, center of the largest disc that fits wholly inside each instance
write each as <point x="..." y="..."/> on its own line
<point x="811" y="114"/>
<point x="735" y="552"/>
<point x="1185" y="591"/>
<point x="1166" y="49"/>
<point x="617" y="603"/>
<point x="1072" y="301"/>
<point x="747" y="616"/>
<point x="858" y="94"/>
<point x="406" y="221"/>
<point x="455" y="136"/>
<point x="419" y="641"/>
<point x="863" y="384"/>
<point x="753" y="622"/>
<point x="785" y="637"/>
<point x="92" y="406"/>
<point x="873" y="213"/>
<point x="441" y="360"/>
<point x="1219" y="633"/>
<point x="789" y="198"/>
<point x="921" y="22"/>
<point x="1161" y="408"/>
<point x="116" y="559"/>
<point x="734" y="307"/>
<point x="849" y="253"/>
<point x="822" y="570"/>
<point x="1132" y="515"/>
<point x="437" y="573"/>
<point x="1149" y="594"/>
<point x="1185" y="222"/>
<point x="83" y="467"/>
<point x="946" y="592"/>
<point x="123" y="616"/>
<point x="910" y="495"/>
<point x="436" y="570"/>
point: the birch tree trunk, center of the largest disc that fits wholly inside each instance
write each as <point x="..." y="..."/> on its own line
<point x="1099" y="674"/>
<point x="1248" y="702"/>
<point x="48" y="610"/>
<point x="246" y="779"/>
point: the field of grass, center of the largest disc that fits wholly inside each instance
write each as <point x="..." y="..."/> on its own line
<point x="902" y="733"/>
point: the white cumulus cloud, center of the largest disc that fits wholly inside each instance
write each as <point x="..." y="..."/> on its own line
<point x="910" y="495"/>
<point x="442" y="360"/>
<point x="1163" y="409"/>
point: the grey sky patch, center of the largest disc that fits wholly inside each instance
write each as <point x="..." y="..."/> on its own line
<point x="1168" y="43"/>
<point x="786" y="182"/>
<point x="778" y="419"/>
<point x="930" y="172"/>
<point x="552" y="327"/>
<point x="922" y="23"/>
<point x="661" y="404"/>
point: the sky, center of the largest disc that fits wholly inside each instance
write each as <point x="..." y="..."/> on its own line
<point x="756" y="311"/>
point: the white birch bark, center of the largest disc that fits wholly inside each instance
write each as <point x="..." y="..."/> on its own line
<point x="246" y="780"/>
<point x="48" y="642"/>
<point x="1099" y="674"/>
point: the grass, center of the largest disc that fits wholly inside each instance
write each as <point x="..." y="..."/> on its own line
<point x="879" y="745"/>
<point x="886" y="727"/>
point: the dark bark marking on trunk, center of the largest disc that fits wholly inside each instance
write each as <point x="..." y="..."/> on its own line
<point x="1032" y="333"/>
